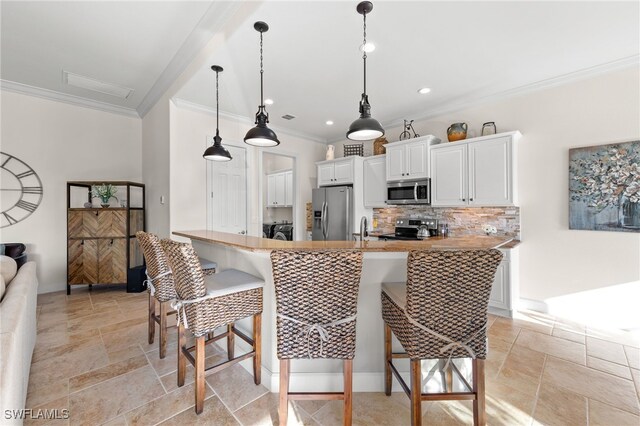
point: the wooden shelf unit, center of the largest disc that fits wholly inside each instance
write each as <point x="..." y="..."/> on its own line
<point x="101" y="242"/>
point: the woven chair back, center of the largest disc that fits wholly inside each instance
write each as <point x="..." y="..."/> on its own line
<point x="448" y="292"/>
<point x="187" y="273"/>
<point x="157" y="265"/>
<point x="316" y="288"/>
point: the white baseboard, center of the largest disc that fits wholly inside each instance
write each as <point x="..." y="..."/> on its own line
<point x="533" y="305"/>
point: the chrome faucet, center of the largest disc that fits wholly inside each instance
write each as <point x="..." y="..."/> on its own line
<point x="364" y="224"/>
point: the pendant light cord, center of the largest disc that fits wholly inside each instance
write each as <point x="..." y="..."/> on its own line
<point x="261" y="74"/>
<point x="217" y="106"/>
<point x="364" y="50"/>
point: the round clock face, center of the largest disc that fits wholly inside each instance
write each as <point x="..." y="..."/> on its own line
<point x="21" y="190"/>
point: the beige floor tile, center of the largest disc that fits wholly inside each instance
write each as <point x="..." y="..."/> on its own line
<point x="507" y="403"/>
<point x="591" y="383"/>
<point x="452" y="413"/>
<point x="609" y="367"/>
<point x="170" y="380"/>
<point x="560" y="348"/>
<point x="214" y="413"/>
<point x="123" y="354"/>
<point x="124" y="392"/>
<point x="609" y="351"/>
<point x="533" y="321"/>
<point x="503" y="330"/>
<point x="94" y="321"/>
<point x="165" y="407"/>
<point x="264" y="411"/>
<point x="110" y="371"/>
<point x="558" y="406"/>
<point x="235" y="387"/>
<point x="522" y="369"/>
<point x="636" y="379"/>
<point x="371" y="408"/>
<point x="122" y="339"/>
<point x="616" y="336"/>
<point x="118" y="421"/>
<point x="52" y="413"/>
<point x="41" y="392"/>
<point x="569" y="335"/>
<point x="312" y="407"/>
<point x="122" y="325"/>
<point x="87" y="355"/>
<point x="605" y="415"/>
<point x="78" y="341"/>
<point x="57" y="335"/>
<point x="633" y="357"/>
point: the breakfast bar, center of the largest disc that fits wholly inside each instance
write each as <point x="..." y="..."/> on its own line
<point x="383" y="261"/>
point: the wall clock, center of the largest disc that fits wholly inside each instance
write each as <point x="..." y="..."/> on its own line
<point x="21" y="190"/>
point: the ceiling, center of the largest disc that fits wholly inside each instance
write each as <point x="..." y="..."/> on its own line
<point x="463" y="51"/>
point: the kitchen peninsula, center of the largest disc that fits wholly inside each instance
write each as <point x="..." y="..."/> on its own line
<point x="383" y="262"/>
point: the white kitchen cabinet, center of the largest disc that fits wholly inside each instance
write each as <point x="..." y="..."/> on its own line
<point x="409" y="160"/>
<point x="505" y="288"/>
<point x="375" y="181"/>
<point x="279" y="186"/>
<point x="336" y="172"/>
<point x="475" y="172"/>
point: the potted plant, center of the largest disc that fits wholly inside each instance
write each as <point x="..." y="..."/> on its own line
<point x="105" y="192"/>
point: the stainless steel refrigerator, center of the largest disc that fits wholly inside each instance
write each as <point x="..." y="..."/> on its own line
<point x="332" y="213"/>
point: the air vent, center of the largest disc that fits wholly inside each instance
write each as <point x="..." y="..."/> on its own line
<point x="94" y="85"/>
<point x="288" y="117"/>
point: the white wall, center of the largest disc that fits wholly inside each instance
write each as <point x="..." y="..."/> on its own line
<point x="189" y="129"/>
<point x="603" y="109"/>
<point x="63" y="142"/>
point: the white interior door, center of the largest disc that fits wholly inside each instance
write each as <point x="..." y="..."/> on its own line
<point x="228" y="193"/>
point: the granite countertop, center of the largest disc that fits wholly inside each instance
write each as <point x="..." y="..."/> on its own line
<point x="263" y="244"/>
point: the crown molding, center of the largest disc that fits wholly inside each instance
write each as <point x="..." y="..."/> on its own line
<point x="214" y="17"/>
<point x="38" y="92"/>
<point x="181" y="103"/>
<point x="560" y="80"/>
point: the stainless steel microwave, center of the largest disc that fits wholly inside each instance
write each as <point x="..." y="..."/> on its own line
<point x="409" y="192"/>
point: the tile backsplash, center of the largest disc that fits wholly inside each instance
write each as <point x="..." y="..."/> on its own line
<point x="462" y="221"/>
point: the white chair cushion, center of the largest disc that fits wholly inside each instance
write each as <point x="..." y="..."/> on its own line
<point x="207" y="264"/>
<point x="8" y="268"/>
<point x="397" y="292"/>
<point x="231" y="281"/>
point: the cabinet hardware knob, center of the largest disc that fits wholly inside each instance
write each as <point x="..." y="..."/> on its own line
<point x="470" y="199"/>
<point x="96" y="212"/>
<point x="464" y="199"/>
<point x="82" y="243"/>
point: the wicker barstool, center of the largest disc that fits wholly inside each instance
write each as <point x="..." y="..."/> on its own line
<point x="441" y="313"/>
<point x="316" y="305"/>
<point x="206" y="304"/>
<point x="160" y="285"/>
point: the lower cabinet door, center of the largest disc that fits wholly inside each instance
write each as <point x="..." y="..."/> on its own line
<point x="499" y="297"/>
<point x="112" y="260"/>
<point x="82" y="262"/>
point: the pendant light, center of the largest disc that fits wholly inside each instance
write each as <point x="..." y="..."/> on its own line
<point x="261" y="135"/>
<point x="365" y="128"/>
<point x="217" y="152"/>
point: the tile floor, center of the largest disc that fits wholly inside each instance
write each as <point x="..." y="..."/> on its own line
<point x="92" y="358"/>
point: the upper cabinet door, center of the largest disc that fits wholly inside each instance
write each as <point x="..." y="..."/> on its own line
<point x="375" y="182"/>
<point x="280" y="190"/>
<point x="326" y="174"/>
<point x="449" y="175"/>
<point x="271" y="190"/>
<point x="288" y="189"/>
<point x="490" y="172"/>
<point x="417" y="160"/>
<point x="343" y="173"/>
<point x="395" y="163"/>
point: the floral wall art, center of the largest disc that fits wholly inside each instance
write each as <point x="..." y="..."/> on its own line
<point x="604" y="187"/>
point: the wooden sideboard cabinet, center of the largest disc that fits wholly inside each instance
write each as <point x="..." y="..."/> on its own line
<point x="101" y="242"/>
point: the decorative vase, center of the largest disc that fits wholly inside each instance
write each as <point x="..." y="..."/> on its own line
<point x="629" y="214"/>
<point x="378" y="145"/>
<point x="457" y="132"/>
<point x="104" y="205"/>
<point x="330" y="152"/>
<point x="489" y="128"/>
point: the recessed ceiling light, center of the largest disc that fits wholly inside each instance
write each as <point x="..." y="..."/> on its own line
<point x="329" y="123"/>
<point x="268" y="101"/>
<point x="424" y="90"/>
<point x="368" y="47"/>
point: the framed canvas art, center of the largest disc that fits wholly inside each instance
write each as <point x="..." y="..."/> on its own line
<point x="604" y="187"/>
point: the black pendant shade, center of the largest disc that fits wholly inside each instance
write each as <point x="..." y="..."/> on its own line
<point x="261" y="135"/>
<point x="366" y="127"/>
<point x="217" y="152"/>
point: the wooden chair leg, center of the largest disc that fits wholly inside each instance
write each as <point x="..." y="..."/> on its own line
<point x="283" y="407"/>
<point x="163" y="329"/>
<point x="449" y="375"/>
<point x="348" y="391"/>
<point x="152" y="322"/>
<point x="182" y="360"/>
<point x="230" y="341"/>
<point x="200" y="355"/>
<point x="477" y="371"/>
<point x="257" y="347"/>
<point x="416" y="393"/>
<point x="387" y="360"/>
